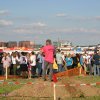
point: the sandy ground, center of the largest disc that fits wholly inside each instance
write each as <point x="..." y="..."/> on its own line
<point x="81" y="91"/>
<point x="43" y="89"/>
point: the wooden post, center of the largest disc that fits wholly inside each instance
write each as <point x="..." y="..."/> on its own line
<point x="54" y="87"/>
<point x="6" y="73"/>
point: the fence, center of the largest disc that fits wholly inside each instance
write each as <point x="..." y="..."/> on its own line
<point x="72" y="72"/>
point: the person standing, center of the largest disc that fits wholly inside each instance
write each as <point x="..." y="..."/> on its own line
<point x="1" y="65"/>
<point x="63" y="64"/>
<point x="59" y="60"/>
<point x="23" y="65"/>
<point x="96" y="59"/>
<point x="48" y="51"/>
<point x="14" y="62"/>
<point x="75" y="61"/>
<point x="33" y="62"/>
<point x="39" y="63"/>
<point x="88" y="63"/>
<point x="69" y="62"/>
<point x="29" y="66"/>
<point x="6" y="63"/>
<point x="84" y="63"/>
<point x="43" y="56"/>
<point x="18" y="63"/>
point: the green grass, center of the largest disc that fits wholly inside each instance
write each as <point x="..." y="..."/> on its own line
<point x="20" y="80"/>
<point x="24" y="98"/>
<point x="86" y="98"/>
<point x="83" y="79"/>
<point x="32" y="98"/>
<point x="7" y="88"/>
<point x="88" y="79"/>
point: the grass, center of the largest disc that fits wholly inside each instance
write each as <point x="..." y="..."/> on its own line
<point x="33" y="98"/>
<point x="24" y="98"/>
<point x="86" y="98"/>
<point x="7" y="88"/>
<point x="89" y="79"/>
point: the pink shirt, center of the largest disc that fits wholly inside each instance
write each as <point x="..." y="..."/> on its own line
<point x="49" y="53"/>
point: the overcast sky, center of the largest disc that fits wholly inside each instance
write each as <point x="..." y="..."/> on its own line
<point x="37" y="20"/>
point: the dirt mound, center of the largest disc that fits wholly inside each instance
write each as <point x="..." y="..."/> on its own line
<point x="40" y="89"/>
<point x="81" y="91"/>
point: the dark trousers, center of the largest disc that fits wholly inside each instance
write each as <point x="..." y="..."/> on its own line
<point x="69" y="67"/>
<point x="11" y="69"/>
<point x="33" y="70"/>
<point x="1" y="69"/>
<point x="14" y="69"/>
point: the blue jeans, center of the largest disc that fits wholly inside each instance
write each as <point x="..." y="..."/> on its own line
<point x="59" y="67"/>
<point x="96" y="70"/>
<point x="39" y="66"/>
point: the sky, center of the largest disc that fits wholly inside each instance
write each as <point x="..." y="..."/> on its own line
<point x="77" y="21"/>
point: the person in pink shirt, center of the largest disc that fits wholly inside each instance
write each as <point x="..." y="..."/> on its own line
<point x="48" y="51"/>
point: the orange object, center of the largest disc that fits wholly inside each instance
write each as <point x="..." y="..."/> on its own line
<point x="54" y="78"/>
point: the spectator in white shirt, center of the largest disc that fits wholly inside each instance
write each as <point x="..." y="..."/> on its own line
<point x="23" y="65"/>
<point x="87" y="61"/>
<point x="33" y="62"/>
<point x="6" y="63"/>
<point x="14" y="62"/>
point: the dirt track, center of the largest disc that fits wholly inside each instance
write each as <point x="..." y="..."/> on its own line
<point x="46" y="91"/>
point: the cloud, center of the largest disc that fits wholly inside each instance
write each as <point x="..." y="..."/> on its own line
<point x="22" y="30"/>
<point x="88" y="30"/>
<point x="5" y="22"/>
<point x="38" y="27"/>
<point x="71" y="17"/>
<point x="22" y="19"/>
<point x="37" y="24"/>
<point x="97" y="18"/>
<point x="51" y="30"/>
<point x="4" y="12"/>
<point x="61" y="15"/>
<point x="75" y="30"/>
<point x="80" y="18"/>
<point x="26" y="30"/>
